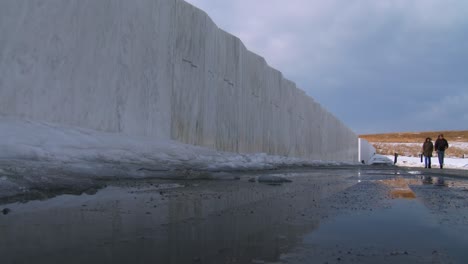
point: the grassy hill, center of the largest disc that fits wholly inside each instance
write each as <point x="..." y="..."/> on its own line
<point x="410" y="143"/>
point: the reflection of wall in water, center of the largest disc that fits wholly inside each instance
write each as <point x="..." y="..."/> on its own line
<point x="245" y="221"/>
<point x="248" y="219"/>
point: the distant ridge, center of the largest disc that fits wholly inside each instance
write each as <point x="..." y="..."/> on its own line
<point x="410" y="143"/>
<point x="416" y="137"/>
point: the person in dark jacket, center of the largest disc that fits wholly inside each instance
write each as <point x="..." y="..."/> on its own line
<point x="427" y="150"/>
<point x="441" y="145"/>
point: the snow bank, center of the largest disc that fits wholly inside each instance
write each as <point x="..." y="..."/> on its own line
<point x="42" y="157"/>
<point x="450" y="163"/>
<point x="46" y="142"/>
<point x="378" y="159"/>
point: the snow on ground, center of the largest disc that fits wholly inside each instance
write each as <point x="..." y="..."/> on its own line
<point x="449" y="163"/>
<point x="45" y="142"/>
<point x="40" y="141"/>
<point x="38" y="157"/>
<point x="44" y="156"/>
<point x="462" y="145"/>
<point x="380" y="159"/>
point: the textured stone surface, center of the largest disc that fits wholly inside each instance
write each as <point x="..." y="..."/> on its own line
<point x="366" y="150"/>
<point x="158" y="68"/>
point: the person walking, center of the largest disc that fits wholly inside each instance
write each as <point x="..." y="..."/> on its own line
<point x="441" y="145"/>
<point x="427" y="150"/>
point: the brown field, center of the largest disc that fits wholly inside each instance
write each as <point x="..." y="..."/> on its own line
<point x="417" y="137"/>
<point x="410" y="143"/>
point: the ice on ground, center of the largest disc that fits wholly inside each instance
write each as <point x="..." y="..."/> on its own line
<point x="39" y="155"/>
<point x="39" y="141"/>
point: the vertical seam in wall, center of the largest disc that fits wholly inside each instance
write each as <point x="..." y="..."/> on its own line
<point x="172" y="56"/>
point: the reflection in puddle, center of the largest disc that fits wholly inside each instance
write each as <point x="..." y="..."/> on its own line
<point x="403" y="193"/>
<point x="399" y="187"/>
<point x="427" y="180"/>
<point x="240" y="222"/>
<point x="405" y="232"/>
<point x="402" y="219"/>
<point x="438" y="181"/>
<point x="415" y="172"/>
<point x="203" y="222"/>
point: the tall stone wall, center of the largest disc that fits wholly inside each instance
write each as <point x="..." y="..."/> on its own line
<point x="101" y="64"/>
<point x="158" y="68"/>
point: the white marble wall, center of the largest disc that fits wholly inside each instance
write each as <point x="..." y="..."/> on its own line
<point x="157" y="68"/>
<point x="103" y="64"/>
<point x="366" y="150"/>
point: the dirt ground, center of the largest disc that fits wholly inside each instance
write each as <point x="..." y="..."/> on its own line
<point x="356" y="214"/>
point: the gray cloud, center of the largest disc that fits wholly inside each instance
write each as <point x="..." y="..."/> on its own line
<point x="379" y="66"/>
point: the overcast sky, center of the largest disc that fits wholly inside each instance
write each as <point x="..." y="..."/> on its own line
<point x="379" y="66"/>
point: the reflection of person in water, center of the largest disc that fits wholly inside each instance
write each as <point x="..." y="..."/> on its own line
<point x="440" y="181"/>
<point x="427" y="180"/>
<point x="427" y="150"/>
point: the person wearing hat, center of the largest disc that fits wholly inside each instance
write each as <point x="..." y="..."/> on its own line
<point x="441" y="145"/>
<point x="427" y="150"/>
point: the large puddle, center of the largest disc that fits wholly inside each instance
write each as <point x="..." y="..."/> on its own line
<point x="323" y="216"/>
<point x="406" y="232"/>
<point x="424" y="221"/>
<point x="183" y="222"/>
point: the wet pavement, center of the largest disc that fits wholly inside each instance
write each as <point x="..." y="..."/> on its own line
<point x="356" y="214"/>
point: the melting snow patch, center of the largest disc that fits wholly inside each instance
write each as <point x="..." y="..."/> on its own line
<point x="380" y="159"/>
